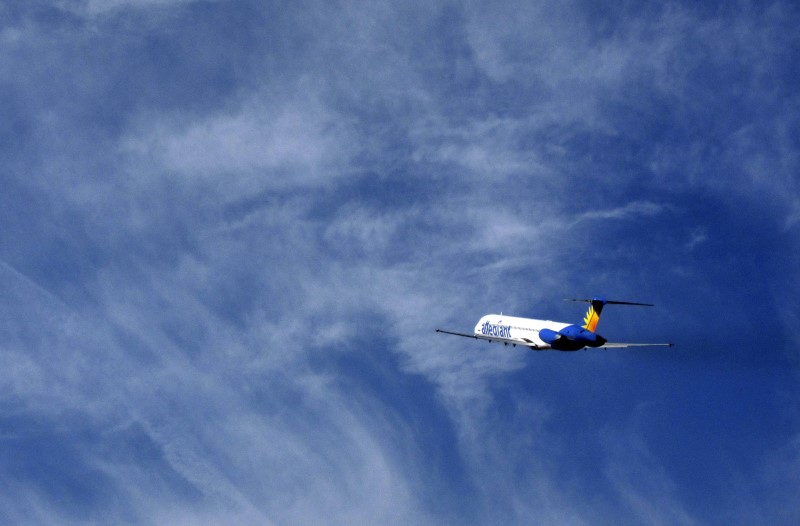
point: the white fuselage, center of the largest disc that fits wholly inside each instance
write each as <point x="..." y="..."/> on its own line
<point x="524" y="330"/>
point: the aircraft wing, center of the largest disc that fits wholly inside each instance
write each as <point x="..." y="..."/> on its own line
<point x="533" y="346"/>
<point x="623" y="345"/>
<point x="490" y="338"/>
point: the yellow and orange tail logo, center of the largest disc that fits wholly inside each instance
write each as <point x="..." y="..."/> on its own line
<point x="591" y="319"/>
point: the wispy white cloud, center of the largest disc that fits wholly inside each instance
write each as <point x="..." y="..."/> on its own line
<point x="196" y="405"/>
<point x="487" y="149"/>
<point x="101" y="7"/>
<point x="634" y="209"/>
<point x="256" y="147"/>
<point x="642" y="483"/>
<point x="698" y="236"/>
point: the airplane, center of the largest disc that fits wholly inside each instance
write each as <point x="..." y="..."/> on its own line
<point x="541" y="335"/>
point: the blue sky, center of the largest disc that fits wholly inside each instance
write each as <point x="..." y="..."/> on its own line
<point x="229" y="229"/>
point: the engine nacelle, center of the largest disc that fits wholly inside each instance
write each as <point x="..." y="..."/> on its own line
<point x="571" y="338"/>
<point x="549" y="336"/>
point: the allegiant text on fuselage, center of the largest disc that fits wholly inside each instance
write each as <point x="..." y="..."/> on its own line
<point x="501" y="331"/>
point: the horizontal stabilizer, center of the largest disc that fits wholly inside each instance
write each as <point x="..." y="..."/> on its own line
<point x="610" y="302"/>
<point x="623" y="345"/>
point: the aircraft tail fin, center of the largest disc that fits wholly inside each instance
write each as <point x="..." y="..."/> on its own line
<point x="592" y="316"/>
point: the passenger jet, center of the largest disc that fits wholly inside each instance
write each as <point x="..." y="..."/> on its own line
<point x="541" y="335"/>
